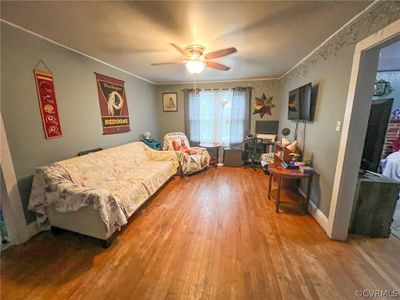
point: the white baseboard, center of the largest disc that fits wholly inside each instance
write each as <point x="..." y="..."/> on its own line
<point x="318" y="216"/>
<point x="316" y="213"/>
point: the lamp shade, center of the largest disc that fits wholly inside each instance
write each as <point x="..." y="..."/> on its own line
<point x="147" y="135"/>
<point x="285" y="131"/>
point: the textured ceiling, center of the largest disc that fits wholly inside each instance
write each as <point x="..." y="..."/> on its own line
<point x="270" y="36"/>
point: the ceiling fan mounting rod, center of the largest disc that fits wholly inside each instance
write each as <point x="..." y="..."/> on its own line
<point x="195" y="50"/>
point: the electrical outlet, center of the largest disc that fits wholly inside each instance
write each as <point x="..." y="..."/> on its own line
<point x="338" y="125"/>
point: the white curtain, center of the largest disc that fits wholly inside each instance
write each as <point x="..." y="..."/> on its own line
<point x="217" y="116"/>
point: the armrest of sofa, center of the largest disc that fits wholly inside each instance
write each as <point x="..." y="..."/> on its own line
<point x="53" y="187"/>
<point x="161" y="155"/>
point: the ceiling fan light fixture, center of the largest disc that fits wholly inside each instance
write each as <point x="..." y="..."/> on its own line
<point x="195" y="66"/>
<point x="195" y="59"/>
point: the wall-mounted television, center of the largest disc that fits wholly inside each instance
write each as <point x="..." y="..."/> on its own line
<point x="300" y="103"/>
<point x="376" y="132"/>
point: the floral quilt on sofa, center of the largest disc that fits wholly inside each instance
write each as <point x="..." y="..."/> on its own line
<point x="115" y="181"/>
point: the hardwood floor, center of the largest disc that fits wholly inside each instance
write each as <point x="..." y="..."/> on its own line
<point x="213" y="235"/>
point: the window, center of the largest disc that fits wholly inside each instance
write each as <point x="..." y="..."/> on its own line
<point x="218" y="116"/>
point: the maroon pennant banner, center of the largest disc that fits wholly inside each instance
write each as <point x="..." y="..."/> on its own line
<point x="48" y="104"/>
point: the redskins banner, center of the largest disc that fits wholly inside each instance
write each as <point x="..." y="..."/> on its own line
<point x="113" y="104"/>
<point x="48" y="105"/>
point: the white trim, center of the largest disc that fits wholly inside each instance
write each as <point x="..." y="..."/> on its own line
<point x="331" y="36"/>
<point x="339" y="216"/>
<point x="74" y="50"/>
<point x="318" y="216"/>
<point x="12" y="206"/>
<point x="216" y="81"/>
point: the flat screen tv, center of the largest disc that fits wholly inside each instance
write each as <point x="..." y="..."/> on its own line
<point x="300" y="103"/>
<point x="376" y="132"/>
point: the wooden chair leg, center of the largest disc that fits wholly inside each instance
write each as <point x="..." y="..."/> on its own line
<point x="278" y="196"/>
<point x="269" y="186"/>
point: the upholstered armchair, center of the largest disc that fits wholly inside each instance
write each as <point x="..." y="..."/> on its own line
<point x="191" y="159"/>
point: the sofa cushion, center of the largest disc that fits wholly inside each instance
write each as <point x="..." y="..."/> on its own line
<point x="151" y="174"/>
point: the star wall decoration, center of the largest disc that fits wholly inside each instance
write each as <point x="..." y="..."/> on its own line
<point x="263" y="105"/>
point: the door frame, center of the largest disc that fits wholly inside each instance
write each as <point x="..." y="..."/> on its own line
<point x="14" y="217"/>
<point x="353" y="133"/>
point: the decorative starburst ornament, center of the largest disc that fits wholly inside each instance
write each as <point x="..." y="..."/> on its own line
<point x="263" y="105"/>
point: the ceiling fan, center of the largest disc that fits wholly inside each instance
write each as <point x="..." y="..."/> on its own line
<point x="196" y="60"/>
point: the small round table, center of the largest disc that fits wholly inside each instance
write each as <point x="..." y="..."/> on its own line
<point x="213" y="150"/>
<point x="282" y="173"/>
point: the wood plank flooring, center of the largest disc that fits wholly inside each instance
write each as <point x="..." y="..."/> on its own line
<point x="213" y="235"/>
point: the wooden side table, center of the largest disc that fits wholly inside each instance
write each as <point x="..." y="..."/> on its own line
<point x="213" y="150"/>
<point x="294" y="198"/>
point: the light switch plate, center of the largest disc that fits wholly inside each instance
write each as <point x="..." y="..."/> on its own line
<point x="338" y="125"/>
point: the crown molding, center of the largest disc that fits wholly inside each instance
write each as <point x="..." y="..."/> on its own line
<point x="74" y="50"/>
<point x="217" y="81"/>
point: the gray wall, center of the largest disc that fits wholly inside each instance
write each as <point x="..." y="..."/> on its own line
<point x="77" y="101"/>
<point x="321" y="140"/>
<point x="175" y="121"/>
<point x="329" y="68"/>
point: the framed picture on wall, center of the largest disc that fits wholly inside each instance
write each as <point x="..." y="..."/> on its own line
<point x="170" y="102"/>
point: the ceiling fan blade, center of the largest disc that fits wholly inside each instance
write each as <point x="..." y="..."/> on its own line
<point x="169" y="63"/>
<point x="180" y="49"/>
<point x="217" y="66"/>
<point x="220" y="53"/>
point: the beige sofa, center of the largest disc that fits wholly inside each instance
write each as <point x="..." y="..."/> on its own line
<point x="95" y="194"/>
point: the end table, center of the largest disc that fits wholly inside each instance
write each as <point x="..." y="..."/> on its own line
<point x="213" y="150"/>
<point x="153" y="144"/>
<point x="294" y="198"/>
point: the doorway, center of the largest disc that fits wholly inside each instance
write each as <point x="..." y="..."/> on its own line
<point x="5" y="238"/>
<point x="363" y="75"/>
<point x="12" y="212"/>
<point x="387" y="86"/>
<point x="379" y="178"/>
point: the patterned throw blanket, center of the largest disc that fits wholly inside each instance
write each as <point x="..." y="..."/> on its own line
<point x="53" y="187"/>
<point x="115" y="181"/>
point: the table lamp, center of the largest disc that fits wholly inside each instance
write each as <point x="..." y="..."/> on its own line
<point x="147" y="136"/>
<point x="285" y="132"/>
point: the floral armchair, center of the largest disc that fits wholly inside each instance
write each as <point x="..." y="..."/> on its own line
<point x="191" y="159"/>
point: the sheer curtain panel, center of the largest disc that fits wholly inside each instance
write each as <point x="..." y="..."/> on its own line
<point x="217" y="116"/>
